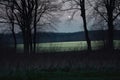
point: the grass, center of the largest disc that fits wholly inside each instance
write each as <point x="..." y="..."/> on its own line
<point x="36" y="75"/>
<point x="68" y="46"/>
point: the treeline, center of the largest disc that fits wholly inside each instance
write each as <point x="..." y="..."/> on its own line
<point x="47" y="37"/>
<point x="31" y="15"/>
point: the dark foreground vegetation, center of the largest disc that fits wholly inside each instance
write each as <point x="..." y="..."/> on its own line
<point x="94" y="65"/>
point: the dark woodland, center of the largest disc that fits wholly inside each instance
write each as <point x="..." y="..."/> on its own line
<point x="26" y="22"/>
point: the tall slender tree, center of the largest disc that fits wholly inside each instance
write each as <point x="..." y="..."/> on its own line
<point x="80" y="5"/>
<point x="109" y="10"/>
<point x="9" y="8"/>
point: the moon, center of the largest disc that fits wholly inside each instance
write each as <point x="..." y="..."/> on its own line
<point x="69" y="17"/>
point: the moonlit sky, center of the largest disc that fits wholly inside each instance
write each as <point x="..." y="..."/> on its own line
<point x="67" y="24"/>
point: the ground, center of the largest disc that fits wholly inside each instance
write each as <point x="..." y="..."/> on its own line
<point x="72" y="65"/>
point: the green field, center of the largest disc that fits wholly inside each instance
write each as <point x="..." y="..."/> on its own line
<point x="32" y="75"/>
<point x="68" y="46"/>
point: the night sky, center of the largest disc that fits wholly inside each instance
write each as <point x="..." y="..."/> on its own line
<point x="67" y="24"/>
<point x="71" y="24"/>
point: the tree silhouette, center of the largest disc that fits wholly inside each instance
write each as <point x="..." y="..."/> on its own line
<point x="28" y="15"/>
<point x="9" y="8"/>
<point x="80" y="5"/>
<point x="109" y="10"/>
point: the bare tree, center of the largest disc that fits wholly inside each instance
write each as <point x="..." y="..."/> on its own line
<point x="43" y="14"/>
<point x="28" y="14"/>
<point x="80" y="5"/>
<point x="11" y="19"/>
<point x="9" y="8"/>
<point x="109" y="10"/>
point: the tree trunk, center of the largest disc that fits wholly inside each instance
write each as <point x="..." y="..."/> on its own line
<point x="35" y="30"/>
<point x="13" y="33"/>
<point x="83" y="14"/>
<point x="87" y="34"/>
<point x="34" y="39"/>
<point x="26" y="42"/>
<point x="30" y="41"/>
<point x="110" y="43"/>
<point x="15" y="40"/>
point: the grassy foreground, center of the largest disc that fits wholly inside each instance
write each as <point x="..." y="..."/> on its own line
<point x="92" y="66"/>
<point x="61" y="66"/>
<point x="36" y="75"/>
